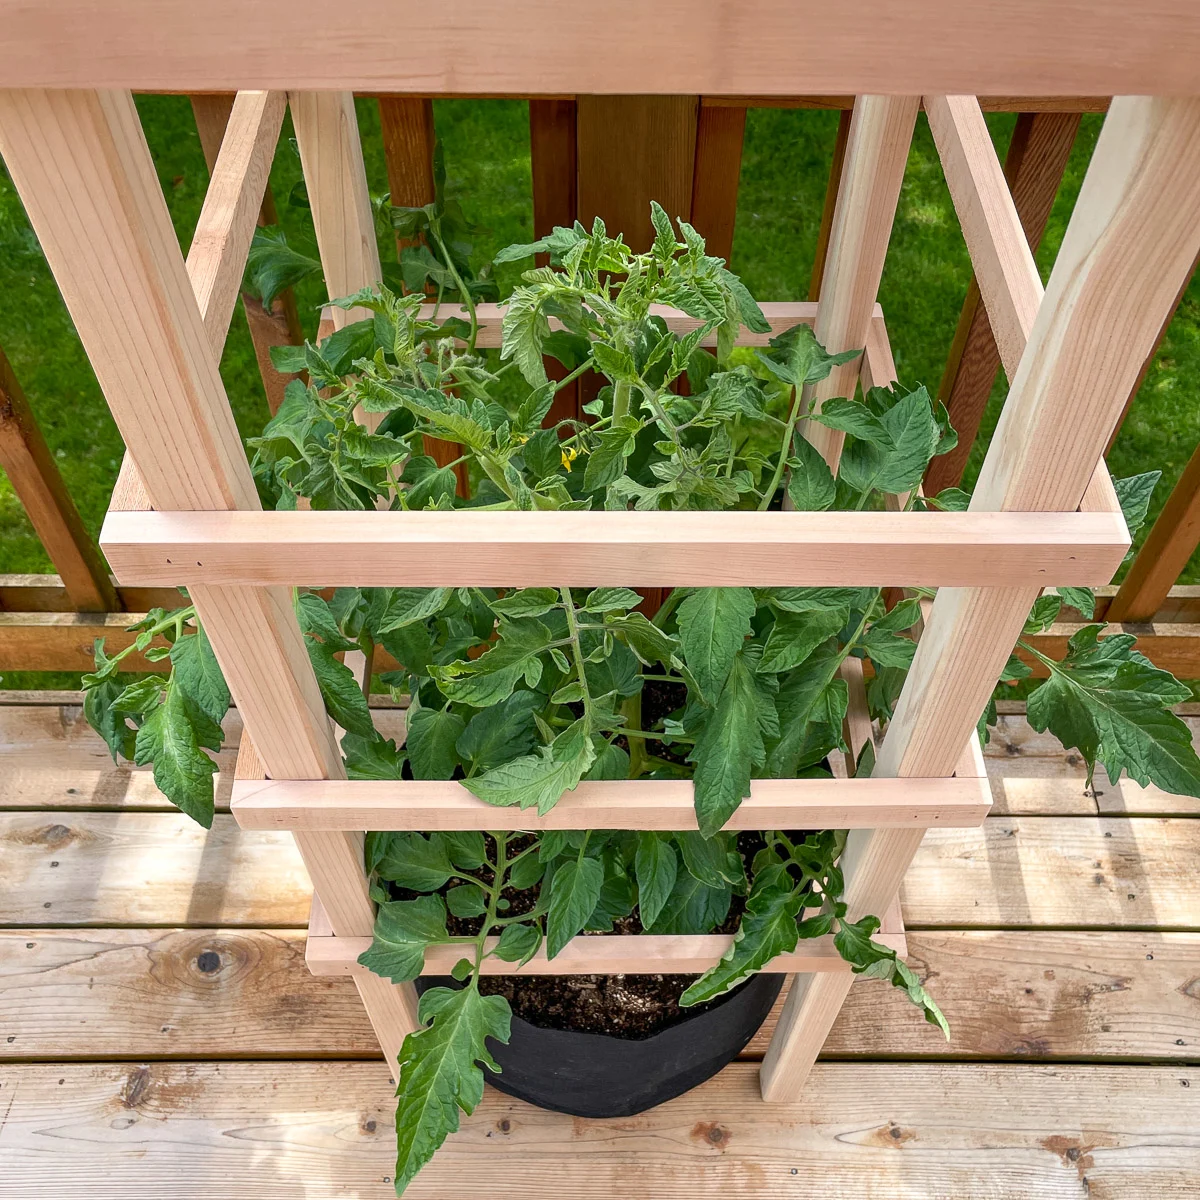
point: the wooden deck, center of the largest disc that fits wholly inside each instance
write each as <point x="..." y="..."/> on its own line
<point x="159" y="1034"/>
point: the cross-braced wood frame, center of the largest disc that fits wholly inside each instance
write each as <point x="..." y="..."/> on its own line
<point x="186" y="512"/>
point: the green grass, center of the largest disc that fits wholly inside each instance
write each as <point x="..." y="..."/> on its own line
<point x="784" y="169"/>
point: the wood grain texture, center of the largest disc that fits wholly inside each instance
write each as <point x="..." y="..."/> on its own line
<point x="719" y="136"/>
<point x="619" y="804"/>
<point x="876" y="155"/>
<point x="836" y="166"/>
<point x="217" y="257"/>
<point x="246" y="993"/>
<point x="538" y="48"/>
<point x="1033" y="168"/>
<point x="46" y="593"/>
<point x="35" y="478"/>
<point x="634" y="149"/>
<point x="870" y="1131"/>
<point x="331" y="155"/>
<point x="472" y="548"/>
<point x="999" y="249"/>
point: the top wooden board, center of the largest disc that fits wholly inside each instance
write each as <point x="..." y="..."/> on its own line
<point x="758" y="47"/>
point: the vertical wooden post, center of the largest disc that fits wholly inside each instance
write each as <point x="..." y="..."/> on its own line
<point x="876" y="154"/>
<point x="1037" y="157"/>
<point x="720" y="132"/>
<point x="1132" y="238"/>
<point x="554" y="167"/>
<point x="279" y="325"/>
<point x="39" y="486"/>
<point x="115" y="257"/>
<point x="832" y="188"/>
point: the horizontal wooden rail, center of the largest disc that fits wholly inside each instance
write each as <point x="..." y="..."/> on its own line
<point x="664" y="804"/>
<point x="639" y="549"/>
<point x="605" y="954"/>
<point x="514" y="46"/>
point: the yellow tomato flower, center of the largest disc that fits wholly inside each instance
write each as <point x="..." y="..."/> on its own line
<point x="568" y="457"/>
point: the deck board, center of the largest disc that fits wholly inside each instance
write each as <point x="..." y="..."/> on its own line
<point x="874" y="1131"/>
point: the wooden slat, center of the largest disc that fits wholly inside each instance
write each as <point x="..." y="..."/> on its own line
<point x="280" y="324"/>
<point x="518" y="48"/>
<point x="470" y="547"/>
<point x="843" y="103"/>
<point x="837" y="163"/>
<point x="868" y="1131"/>
<point x="612" y="954"/>
<point x="999" y="249"/>
<point x="1171" y="542"/>
<point x="149" y="993"/>
<point x="876" y="153"/>
<point x="217" y="257"/>
<point x="35" y="478"/>
<point x="158" y="868"/>
<point x="619" y="804"/>
<point x="719" y="136"/>
<point x="634" y="149"/>
<point x="406" y="123"/>
<point x="47" y="593"/>
<point x="1033" y="168"/>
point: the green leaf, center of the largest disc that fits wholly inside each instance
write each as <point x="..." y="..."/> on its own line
<point x="538" y="780"/>
<point x="693" y="907"/>
<point x="171" y="738"/>
<point x="491" y="677"/>
<point x="656" y="866"/>
<point x="712" y="860"/>
<point x="574" y="894"/>
<point x="794" y="636"/>
<point x="951" y="499"/>
<point x="798" y="358"/>
<point x="729" y="747"/>
<point x="855" y="418"/>
<point x="466" y="900"/>
<point x="606" y="462"/>
<point x="1109" y="702"/>
<point x="196" y="672"/>
<point x="768" y="928"/>
<point x="542" y="453"/>
<point x="610" y="599"/>
<point x="430" y="742"/>
<point x="518" y="943"/>
<point x="407" y="606"/>
<point x="616" y="364"/>
<point x="1133" y="494"/>
<point x="273" y="266"/>
<point x="99" y="701"/>
<point x="1043" y="614"/>
<point x="428" y="484"/>
<point x="372" y="758"/>
<point x="556" y="244"/>
<point x="418" y="862"/>
<point x="645" y="639"/>
<point x="317" y="619"/>
<point x="913" y="432"/>
<point x="1082" y="599"/>
<point x="466" y="847"/>
<point x="440" y="1071"/>
<point x="340" y="690"/>
<point x="887" y="649"/>
<point x="403" y="928"/>
<point x="506" y="730"/>
<point x="526" y="602"/>
<point x="810" y="483"/>
<point x="713" y="625"/>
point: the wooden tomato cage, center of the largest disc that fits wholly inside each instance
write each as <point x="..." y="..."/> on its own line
<point x="186" y="512"/>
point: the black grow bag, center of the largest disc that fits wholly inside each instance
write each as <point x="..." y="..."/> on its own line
<point x="598" y="1075"/>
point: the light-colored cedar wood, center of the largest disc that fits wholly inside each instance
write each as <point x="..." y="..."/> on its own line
<point x="406" y="123"/>
<point x="520" y="48"/>
<point x="634" y="149"/>
<point x="611" y="954"/>
<point x="246" y="993"/>
<point x="331" y="154"/>
<point x="1004" y="268"/>
<point x="836" y="165"/>
<point x="217" y="257"/>
<point x="869" y="1131"/>
<point x="719" y="136"/>
<point x="1132" y="237"/>
<point x="46" y="593"/>
<point x="876" y="154"/>
<point x="1008" y="104"/>
<point x="160" y="868"/>
<point x="695" y="549"/>
<point x="280" y="324"/>
<point x="615" y="804"/>
<point x="1172" y="540"/>
<point x="117" y="254"/>
<point x="26" y="460"/>
<point x="1033" y="168"/>
<point x="63" y="641"/>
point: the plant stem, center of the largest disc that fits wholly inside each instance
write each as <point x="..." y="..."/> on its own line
<point x="577" y="655"/>
<point x="784" y="450"/>
<point x="621" y="394"/>
<point x="467" y="300"/>
<point x="497" y="886"/>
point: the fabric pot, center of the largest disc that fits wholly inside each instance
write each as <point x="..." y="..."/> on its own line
<point x="597" y="1075"/>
